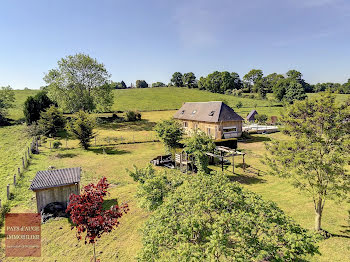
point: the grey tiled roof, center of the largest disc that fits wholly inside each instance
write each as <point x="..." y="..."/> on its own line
<point x="252" y="114"/>
<point x="215" y="111"/>
<point x="55" y="178"/>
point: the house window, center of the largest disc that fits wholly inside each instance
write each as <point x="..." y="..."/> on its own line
<point x="182" y="112"/>
<point x="211" y="113"/>
<point x="195" y="126"/>
<point x="185" y="124"/>
<point x="230" y="129"/>
<point x="208" y="131"/>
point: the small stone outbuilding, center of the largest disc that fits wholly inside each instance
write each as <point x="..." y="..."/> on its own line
<point x="55" y="185"/>
<point x="251" y="115"/>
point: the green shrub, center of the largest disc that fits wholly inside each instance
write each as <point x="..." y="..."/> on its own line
<point x="51" y="121"/>
<point x="82" y="128"/>
<point x="56" y="144"/>
<point x="3" y="211"/>
<point x="239" y="105"/>
<point x="261" y="118"/>
<point x="132" y="116"/>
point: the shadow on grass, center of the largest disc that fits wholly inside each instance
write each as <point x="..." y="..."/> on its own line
<point x="346" y="230"/>
<point x="109" y="202"/>
<point x="66" y="155"/>
<point x="108" y="151"/>
<point x="246" y="179"/>
<point x="255" y="139"/>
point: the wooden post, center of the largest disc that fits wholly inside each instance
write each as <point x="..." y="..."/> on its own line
<point x="14" y="180"/>
<point x="37" y="147"/>
<point x="243" y="164"/>
<point x="19" y="171"/>
<point x="8" y="191"/>
<point x="28" y="151"/>
<point x="233" y="163"/>
<point x="181" y="162"/>
<point x="23" y="165"/>
<point x="222" y="161"/>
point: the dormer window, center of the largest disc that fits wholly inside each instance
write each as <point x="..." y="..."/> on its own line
<point x="194" y="111"/>
<point x="211" y="113"/>
<point x="182" y="112"/>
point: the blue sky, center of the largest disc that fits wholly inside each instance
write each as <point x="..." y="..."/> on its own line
<point x="151" y="39"/>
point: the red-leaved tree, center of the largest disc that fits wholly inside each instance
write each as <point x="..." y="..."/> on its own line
<point x="88" y="215"/>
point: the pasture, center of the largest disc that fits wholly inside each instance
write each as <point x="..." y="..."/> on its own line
<point x="59" y="241"/>
<point x="172" y="98"/>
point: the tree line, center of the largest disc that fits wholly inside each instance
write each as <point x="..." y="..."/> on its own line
<point x="285" y="87"/>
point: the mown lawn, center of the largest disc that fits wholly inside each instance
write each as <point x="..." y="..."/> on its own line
<point x="295" y="203"/>
<point x="59" y="242"/>
<point x="13" y="144"/>
<point x="20" y="95"/>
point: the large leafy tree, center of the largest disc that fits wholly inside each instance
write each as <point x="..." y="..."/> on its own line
<point x="271" y="80"/>
<point x="170" y="132"/>
<point x="289" y="90"/>
<point x="158" y="84"/>
<point x="315" y="156"/>
<point x="189" y="80"/>
<point x="7" y="97"/>
<point x="345" y="89"/>
<point x="236" y="81"/>
<point x="253" y="77"/>
<point x="198" y="144"/>
<point x="141" y="84"/>
<point x="80" y="83"/>
<point x="209" y="218"/>
<point x="82" y="128"/>
<point x="123" y="85"/>
<point x="177" y="79"/>
<point x="219" y="82"/>
<point x="89" y="217"/>
<point x="298" y="77"/>
<point x="294" y="91"/>
<point x="33" y="106"/>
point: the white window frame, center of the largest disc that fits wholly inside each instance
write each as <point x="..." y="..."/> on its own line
<point x="229" y="129"/>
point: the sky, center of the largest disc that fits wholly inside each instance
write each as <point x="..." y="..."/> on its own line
<point x="152" y="39"/>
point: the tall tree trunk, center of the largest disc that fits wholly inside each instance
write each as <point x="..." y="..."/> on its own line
<point x="318" y="214"/>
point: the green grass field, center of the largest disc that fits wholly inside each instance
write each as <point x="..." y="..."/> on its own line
<point x="59" y="241"/>
<point x="171" y="98"/>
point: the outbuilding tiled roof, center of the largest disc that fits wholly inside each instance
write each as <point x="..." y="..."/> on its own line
<point x="251" y="115"/>
<point x="215" y="111"/>
<point x="55" y="178"/>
